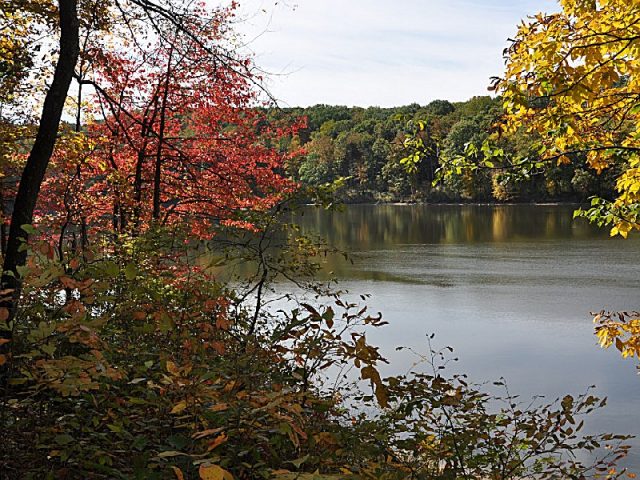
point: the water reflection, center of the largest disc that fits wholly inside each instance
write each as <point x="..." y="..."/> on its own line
<point x="390" y="226"/>
<point x="413" y="231"/>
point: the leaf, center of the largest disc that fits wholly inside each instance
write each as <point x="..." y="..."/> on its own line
<point x="370" y="373"/>
<point x="222" y="323"/>
<point x="218" y="347"/>
<point x="381" y="396"/>
<point x="140" y="442"/>
<point x="219" y="440"/>
<point x="298" y="462"/>
<point x="63" y="439"/>
<point x="214" y="472"/>
<point x="130" y="272"/>
<point x="111" y="269"/>
<point x="328" y="316"/>
<point x="3" y="359"/>
<point x="178" y="472"/>
<point x="172" y="368"/>
<point x="115" y="428"/>
<point x="4" y="314"/>
<point x="206" y="433"/>
<point x="219" y="407"/>
<point x="179" y="407"/>
<point x="171" y="453"/>
<point x="29" y="229"/>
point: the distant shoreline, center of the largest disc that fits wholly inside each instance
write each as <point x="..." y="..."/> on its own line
<point x="462" y="204"/>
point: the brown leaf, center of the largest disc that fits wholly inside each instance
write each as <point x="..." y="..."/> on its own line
<point x="68" y="282"/>
<point x="218" y="347"/>
<point x="222" y="323"/>
<point x="370" y="373"/>
<point x="219" y="408"/>
<point x="381" y="396"/>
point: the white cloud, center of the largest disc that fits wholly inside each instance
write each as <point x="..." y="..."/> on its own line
<point x="381" y="52"/>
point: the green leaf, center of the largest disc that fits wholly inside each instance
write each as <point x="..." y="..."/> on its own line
<point x="131" y="272"/>
<point x="63" y="439"/>
<point x="171" y="453"/>
<point x="298" y="462"/>
<point x="139" y="442"/>
<point x="111" y="269"/>
<point x="29" y="229"/>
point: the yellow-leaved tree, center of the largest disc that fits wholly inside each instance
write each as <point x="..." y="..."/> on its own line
<point x="573" y="80"/>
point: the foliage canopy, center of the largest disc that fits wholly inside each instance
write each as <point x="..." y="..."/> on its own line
<point x="572" y="80"/>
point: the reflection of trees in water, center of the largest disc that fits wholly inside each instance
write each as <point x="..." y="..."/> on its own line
<point x="499" y="224"/>
<point x="366" y="227"/>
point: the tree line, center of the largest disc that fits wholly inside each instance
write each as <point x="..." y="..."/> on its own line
<point x="366" y="148"/>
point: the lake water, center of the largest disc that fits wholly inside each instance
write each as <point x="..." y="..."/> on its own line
<point x="511" y="288"/>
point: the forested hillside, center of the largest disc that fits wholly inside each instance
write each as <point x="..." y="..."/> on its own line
<point x="366" y="146"/>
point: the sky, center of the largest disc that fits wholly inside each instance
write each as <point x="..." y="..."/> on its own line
<point x="381" y="52"/>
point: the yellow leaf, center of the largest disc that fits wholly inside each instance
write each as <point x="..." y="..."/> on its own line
<point x="172" y="368"/>
<point x="3" y="359"/>
<point x="214" y="472"/>
<point x="179" y="407"/>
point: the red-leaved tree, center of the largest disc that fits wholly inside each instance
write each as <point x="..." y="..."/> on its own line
<point x="175" y="138"/>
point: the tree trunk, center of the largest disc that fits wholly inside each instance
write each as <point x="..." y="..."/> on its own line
<point x="40" y="154"/>
<point x="157" y="176"/>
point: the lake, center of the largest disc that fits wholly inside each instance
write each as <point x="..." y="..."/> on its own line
<point x="509" y="287"/>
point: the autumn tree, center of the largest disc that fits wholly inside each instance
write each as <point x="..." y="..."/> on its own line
<point x="572" y="80"/>
<point x="177" y="140"/>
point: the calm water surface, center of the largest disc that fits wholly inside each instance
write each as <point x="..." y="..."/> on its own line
<point x="511" y="288"/>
